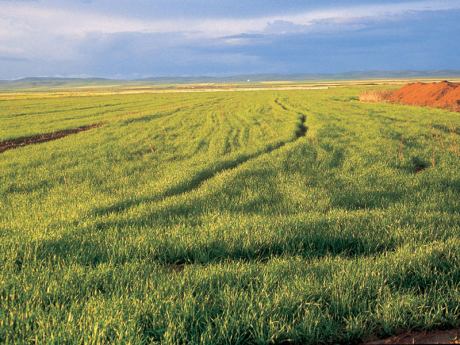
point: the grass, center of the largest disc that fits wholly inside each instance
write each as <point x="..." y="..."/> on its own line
<point x="374" y="96"/>
<point x="233" y="217"/>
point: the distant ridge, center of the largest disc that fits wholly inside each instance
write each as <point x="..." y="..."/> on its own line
<point x="51" y="82"/>
<point x="32" y="82"/>
<point x="360" y="75"/>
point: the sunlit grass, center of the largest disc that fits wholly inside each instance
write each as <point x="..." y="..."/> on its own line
<point x="211" y="218"/>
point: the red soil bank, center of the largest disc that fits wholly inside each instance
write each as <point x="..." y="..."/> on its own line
<point x="440" y="95"/>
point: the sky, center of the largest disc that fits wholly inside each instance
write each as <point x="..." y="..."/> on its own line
<point x="147" y="38"/>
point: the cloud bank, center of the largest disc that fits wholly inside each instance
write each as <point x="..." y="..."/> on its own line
<point x="96" y="38"/>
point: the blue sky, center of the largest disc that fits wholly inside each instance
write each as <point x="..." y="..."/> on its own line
<point x="143" y="38"/>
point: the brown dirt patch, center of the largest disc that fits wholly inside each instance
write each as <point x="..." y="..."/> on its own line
<point x="444" y="95"/>
<point x="41" y="138"/>
<point x="432" y="337"/>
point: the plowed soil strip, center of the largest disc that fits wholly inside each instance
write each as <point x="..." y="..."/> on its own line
<point x="433" y="337"/>
<point x="41" y="138"/>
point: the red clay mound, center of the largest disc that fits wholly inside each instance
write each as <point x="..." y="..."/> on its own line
<point x="440" y="95"/>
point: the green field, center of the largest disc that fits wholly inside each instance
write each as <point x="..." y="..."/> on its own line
<point x="248" y="217"/>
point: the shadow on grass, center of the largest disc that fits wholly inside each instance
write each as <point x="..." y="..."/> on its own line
<point x="192" y="183"/>
<point x="148" y="118"/>
<point x="446" y="129"/>
<point x="356" y="200"/>
<point x="336" y="156"/>
<point x="91" y="246"/>
<point x="202" y="176"/>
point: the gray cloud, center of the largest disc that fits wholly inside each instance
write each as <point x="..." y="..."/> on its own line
<point x="76" y="38"/>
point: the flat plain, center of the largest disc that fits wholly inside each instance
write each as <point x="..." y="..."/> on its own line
<point x="251" y="217"/>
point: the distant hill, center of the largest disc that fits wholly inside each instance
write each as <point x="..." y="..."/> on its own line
<point x="49" y="82"/>
<point x="360" y="75"/>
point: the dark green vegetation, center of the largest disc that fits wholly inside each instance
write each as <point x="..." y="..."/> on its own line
<point x="228" y="217"/>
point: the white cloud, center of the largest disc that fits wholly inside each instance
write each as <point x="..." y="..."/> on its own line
<point x="56" y="34"/>
<point x="380" y="11"/>
<point x="18" y="18"/>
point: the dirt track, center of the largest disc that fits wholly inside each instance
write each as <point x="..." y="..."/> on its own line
<point x="41" y="138"/>
<point x="434" y="337"/>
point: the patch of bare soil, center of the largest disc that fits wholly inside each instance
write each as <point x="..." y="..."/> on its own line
<point x="432" y="337"/>
<point x="41" y="138"/>
<point x="444" y="95"/>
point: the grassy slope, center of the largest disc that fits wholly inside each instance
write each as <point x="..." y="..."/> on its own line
<point x="202" y="218"/>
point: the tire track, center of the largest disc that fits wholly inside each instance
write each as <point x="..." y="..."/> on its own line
<point x="201" y="177"/>
<point x="277" y="101"/>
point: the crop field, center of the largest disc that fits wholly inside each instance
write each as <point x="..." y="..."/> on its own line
<point x="250" y="217"/>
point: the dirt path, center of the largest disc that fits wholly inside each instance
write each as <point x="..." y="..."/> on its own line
<point x="41" y="138"/>
<point x="433" y="337"/>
